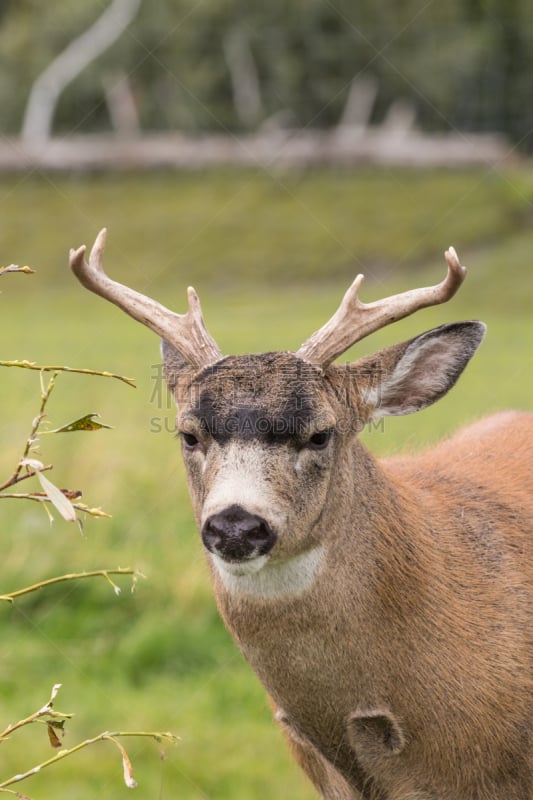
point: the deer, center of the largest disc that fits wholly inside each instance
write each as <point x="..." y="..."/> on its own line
<point x="386" y="605"/>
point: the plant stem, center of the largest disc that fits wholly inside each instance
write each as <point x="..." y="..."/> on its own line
<point x="46" y="710"/>
<point x="32" y="365"/>
<point x="39" y="497"/>
<point x="97" y="573"/>
<point x="64" y="753"/>
<point x="45" y="394"/>
<point x="30" y="474"/>
<point x="15" y="268"/>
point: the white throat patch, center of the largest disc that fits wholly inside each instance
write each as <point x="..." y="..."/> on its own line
<point x="262" y="578"/>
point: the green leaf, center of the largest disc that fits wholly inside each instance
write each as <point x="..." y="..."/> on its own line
<point x="86" y="423"/>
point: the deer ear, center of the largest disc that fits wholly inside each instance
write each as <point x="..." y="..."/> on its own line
<point x="410" y="376"/>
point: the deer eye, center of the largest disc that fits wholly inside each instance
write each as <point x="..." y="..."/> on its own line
<point x="320" y="439"/>
<point x="189" y="440"/>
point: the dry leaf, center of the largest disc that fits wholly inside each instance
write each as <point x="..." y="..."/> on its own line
<point x="129" y="780"/>
<point x="56" y="496"/>
<point x="52" y="735"/>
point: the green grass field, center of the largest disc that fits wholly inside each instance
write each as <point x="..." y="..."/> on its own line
<point x="271" y="257"/>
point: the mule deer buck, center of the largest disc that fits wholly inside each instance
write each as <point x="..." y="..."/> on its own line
<point x="385" y="606"/>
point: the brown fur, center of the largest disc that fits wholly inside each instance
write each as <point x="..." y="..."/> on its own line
<point x="422" y="607"/>
<point x="319" y="770"/>
<point x="434" y="626"/>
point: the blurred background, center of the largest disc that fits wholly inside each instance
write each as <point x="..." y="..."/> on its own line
<point x="265" y="153"/>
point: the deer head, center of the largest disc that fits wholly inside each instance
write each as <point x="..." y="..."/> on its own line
<point x="266" y="438"/>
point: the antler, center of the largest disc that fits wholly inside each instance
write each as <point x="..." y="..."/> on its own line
<point x="354" y="320"/>
<point x="186" y="332"/>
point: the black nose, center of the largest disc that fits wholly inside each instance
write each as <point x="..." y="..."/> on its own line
<point x="237" y="535"/>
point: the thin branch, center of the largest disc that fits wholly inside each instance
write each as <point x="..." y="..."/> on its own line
<point x="15" y="268"/>
<point x="45" y="395"/>
<point x="45" y="711"/>
<point x="70" y="494"/>
<point x="32" y="365"/>
<point x="34" y="467"/>
<point x="56" y="719"/>
<point x="169" y="737"/>
<point x="72" y="576"/>
<point x="40" y="497"/>
<point x="30" y="474"/>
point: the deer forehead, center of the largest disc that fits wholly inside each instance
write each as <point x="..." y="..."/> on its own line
<point x="272" y="396"/>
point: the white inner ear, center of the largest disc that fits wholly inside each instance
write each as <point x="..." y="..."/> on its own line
<point x="422" y="375"/>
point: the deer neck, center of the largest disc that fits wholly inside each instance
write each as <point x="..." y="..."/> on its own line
<point x="322" y="647"/>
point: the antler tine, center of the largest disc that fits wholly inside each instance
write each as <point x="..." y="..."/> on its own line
<point x="355" y="320"/>
<point x="186" y="332"/>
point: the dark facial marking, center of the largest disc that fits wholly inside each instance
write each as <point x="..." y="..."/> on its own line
<point x="245" y="422"/>
<point x="273" y="397"/>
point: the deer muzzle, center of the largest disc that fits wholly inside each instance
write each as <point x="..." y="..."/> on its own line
<point x="236" y="535"/>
